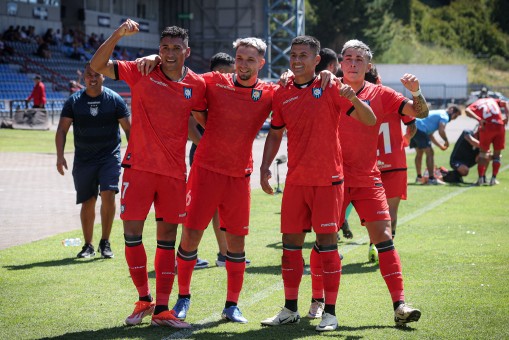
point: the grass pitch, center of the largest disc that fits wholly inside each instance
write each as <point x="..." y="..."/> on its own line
<point x="451" y="241"/>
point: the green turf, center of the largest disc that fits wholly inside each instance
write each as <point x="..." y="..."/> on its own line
<point x="453" y="257"/>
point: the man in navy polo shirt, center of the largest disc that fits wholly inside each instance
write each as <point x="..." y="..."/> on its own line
<point x="95" y="113"/>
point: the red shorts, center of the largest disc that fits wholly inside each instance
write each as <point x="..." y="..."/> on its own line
<point x="369" y="202"/>
<point x="208" y="190"/>
<point x="306" y="207"/>
<point x="141" y="188"/>
<point x="395" y="184"/>
<point x="492" y="134"/>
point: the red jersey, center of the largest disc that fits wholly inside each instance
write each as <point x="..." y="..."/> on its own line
<point x="391" y="150"/>
<point x="311" y="117"/>
<point x="359" y="142"/>
<point x="488" y="109"/>
<point x="235" y="115"/>
<point x="38" y="94"/>
<point x="160" y="113"/>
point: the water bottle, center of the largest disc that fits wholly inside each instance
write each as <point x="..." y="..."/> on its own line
<point x="71" y="242"/>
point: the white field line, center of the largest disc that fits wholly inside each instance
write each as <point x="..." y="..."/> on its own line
<point x="279" y="285"/>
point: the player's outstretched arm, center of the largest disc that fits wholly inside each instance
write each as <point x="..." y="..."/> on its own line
<point x="270" y="150"/>
<point x="417" y="107"/>
<point x="101" y="62"/>
<point x="192" y="131"/>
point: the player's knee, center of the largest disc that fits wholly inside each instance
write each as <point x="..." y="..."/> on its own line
<point x="462" y="170"/>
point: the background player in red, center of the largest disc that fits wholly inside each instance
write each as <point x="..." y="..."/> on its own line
<point x="155" y="169"/>
<point x="487" y="112"/>
<point x="314" y="183"/>
<point x="392" y="157"/>
<point x="363" y="185"/>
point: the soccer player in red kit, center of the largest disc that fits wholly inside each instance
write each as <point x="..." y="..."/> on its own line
<point x="392" y="156"/>
<point x="363" y="184"/>
<point x="238" y="104"/>
<point x="491" y="131"/>
<point x="154" y="162"/>
<point x="314" y="183"/>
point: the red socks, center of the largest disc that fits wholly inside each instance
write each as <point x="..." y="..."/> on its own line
<point x="164" y="265"/>
<point x="292" y="268"/>
<point x="235" y="268"/>
<point x="390" y="268"/>
<point x="137" y="261"/>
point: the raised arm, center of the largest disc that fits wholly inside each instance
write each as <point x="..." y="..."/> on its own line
<point x="101" y="62"/>
<point x="270" y="150"/>
<point x="417" y="107"/>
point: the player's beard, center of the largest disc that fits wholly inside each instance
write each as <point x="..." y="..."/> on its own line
<point x="245" y="76"/>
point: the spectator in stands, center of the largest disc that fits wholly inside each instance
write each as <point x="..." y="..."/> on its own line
<point x="43" y="50"/>
<point x="31" y="35"/>
<point x="38" y="93"/>
<point x="92" y="41"/>
<point x="68" y="37"/>
<point x="49" y="37"/>
<point x="140" y="53"/>
<point x="9" y="34"/>
<point x="4" y="48"/>
<point x="58" y="37"/>
<point x="125" y="55"/>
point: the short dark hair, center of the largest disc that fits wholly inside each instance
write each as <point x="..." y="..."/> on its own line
<point x="455" y="109"/>
<point x="327" y="56"/>
<point x="175" y="32"/>
<point x="221" y="59"/>
<point x="312" y="42"/>
<point x="372" y="75"/>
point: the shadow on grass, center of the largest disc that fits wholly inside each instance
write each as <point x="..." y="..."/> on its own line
<point x="204" y="331"/>
<point x="54" y="263"/>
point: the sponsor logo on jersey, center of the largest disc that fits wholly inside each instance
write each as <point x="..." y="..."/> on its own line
<point x="331" y="224"/>
<point x="188" y="92"/>
<point x="290" y="100"/>
<point x="122" y="208"/>
<point x="317" y="92"/>
<point x="183" y="215"/>
<point x="382" y="212"/>
<point x="158" y="82"/>
<point x="382" y="165"/>
<point x="256" y="94"/>
<point x="226" y="87"/>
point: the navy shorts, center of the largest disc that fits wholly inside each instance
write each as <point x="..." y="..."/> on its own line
<point x="90" y="178"/>
<point x="420" y="140"/>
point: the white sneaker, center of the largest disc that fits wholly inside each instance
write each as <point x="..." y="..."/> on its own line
<point x="494" y="181"/>
<point x="405" y="314"/>
<point x="435" y="181"/>
<point x="329" y="323"/>
<point x="316" y="310"/>
<point x="285" y="316"/>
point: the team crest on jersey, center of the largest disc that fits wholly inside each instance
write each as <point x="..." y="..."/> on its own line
<point x="188" y="92"/>
<point x="317" y="92"/>
<point x="367" y="101"/>
<point x="256" y="94"/>
<point x="94" y="110"/>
